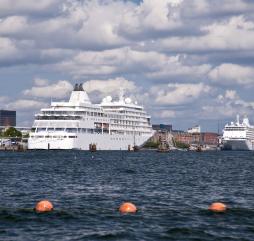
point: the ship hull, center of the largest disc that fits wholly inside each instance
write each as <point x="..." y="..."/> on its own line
<point x="84" y="141"/>
<point x="237" y="145"/>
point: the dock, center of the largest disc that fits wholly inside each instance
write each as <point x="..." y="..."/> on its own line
<point x="14" y="148"/>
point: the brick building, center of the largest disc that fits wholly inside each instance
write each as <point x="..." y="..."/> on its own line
<point x="205" y="138"/>
<point x="210" y="138"/>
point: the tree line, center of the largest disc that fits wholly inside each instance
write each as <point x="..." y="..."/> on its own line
<point x="10" y="132"/>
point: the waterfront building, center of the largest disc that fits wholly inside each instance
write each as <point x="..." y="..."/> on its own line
<point x="7" y="118"/>
<point x="162" y="127"/>
<point x="204" y="138"/>
<point x="210" y="138"/>
<point x="183" y="137"/>
<point x="195" y="129"/>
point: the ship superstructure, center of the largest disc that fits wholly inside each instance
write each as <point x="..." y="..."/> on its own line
<point x="238" y="135"/>
<point x="78" y="124"/>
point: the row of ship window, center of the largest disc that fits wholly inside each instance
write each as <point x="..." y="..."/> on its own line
<point x="90" y="113"/>
<point x="32" y="136"/>
<point x="67" y="114"/>
<point x="65" y="117"/>
<point x="235" y="129"/>
<point x="143" y="120"/>
<point x="98" y="110"/>
<point x="139" y="113"/>
<point x="71" y="130"/>
<point x="58" y="117"/>
<point x="58" y="136"/>
<point x="86" y="130"/>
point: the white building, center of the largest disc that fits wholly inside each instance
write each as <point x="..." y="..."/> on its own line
<point x="195" y="129"/>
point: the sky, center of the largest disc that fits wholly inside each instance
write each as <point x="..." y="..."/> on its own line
<point x="187" y="62"/>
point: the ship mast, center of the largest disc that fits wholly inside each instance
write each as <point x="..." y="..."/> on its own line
<point x="237" y="120"/>
<point x="121" y="95"/>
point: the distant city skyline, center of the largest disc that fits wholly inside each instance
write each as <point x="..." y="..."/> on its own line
<point x="189" y="62"/>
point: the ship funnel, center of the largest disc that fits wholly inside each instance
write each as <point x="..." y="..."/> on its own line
<point x="76" y="87"/>
<point x="78" y="95"/>
<point x="81" y="87"/>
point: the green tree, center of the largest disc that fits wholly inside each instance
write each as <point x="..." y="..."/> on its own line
<point x="12" y="132"/>
<point x="151" y="144"/>
<point x="181" y="145"/>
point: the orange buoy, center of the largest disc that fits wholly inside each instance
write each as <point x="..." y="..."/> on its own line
<point x="44" y="206"/>
<point x="128" y="207"/>
<point x="218" y="207"/>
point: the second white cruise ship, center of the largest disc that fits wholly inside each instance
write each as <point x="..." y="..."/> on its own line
<point x="238" y="136"/>
<point x="79" y="124"/>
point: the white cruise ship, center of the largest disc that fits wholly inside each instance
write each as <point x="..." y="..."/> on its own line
<point x="79" y="124"/>
<point x="238" y="136"/>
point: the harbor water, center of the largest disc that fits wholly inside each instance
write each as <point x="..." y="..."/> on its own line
<point x="172" y="192"/>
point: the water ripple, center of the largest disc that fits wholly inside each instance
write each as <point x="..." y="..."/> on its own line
<point x="172" y="192"/>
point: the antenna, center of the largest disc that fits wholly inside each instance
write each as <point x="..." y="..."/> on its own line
<point x="121" y="94"/>
<point x="237" y="120"/>
<point x="218" y="127"/>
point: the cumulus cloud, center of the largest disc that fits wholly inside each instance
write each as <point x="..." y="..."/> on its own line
<point x="115" y="61"/>
<point x="201" y="8"/>
<point x="8" y="7"/>
<point x="231" y="94"/>
<point x="165" y="114"/>
<point x="41" y="82"/>
<point x="3" y="100"/>
<point x="190" y="44"/>
<point x="177" y="94"/>
<point x="82" y="19"/>
<point x="228" y="104"/>
<point x="151" y="17"/>
<point x="7" y="49"/>
<point x="173" y="66"/>
<point x="230" y="74"/>
<point x="18" y="52"/>
<point x="57" y="90"/>
<point x="24" y="104"/>
<point x="12" y="25"/>
<point x="151" y="64"/>
<point x="218" y="36"/>
<point x="109" y="86"/>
